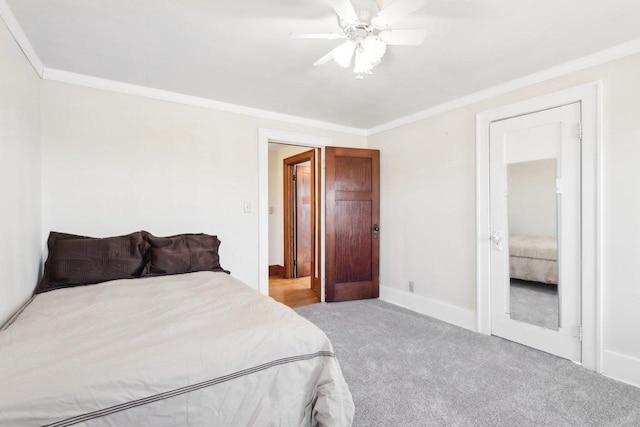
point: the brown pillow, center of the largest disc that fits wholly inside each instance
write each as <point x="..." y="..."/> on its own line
<point x="183" y="253"/>
<point x="80" y="260"/>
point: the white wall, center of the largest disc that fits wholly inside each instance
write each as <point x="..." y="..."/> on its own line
<point x="427" y="214"/>
<point x="277" y="153"/>
<point x="532" y="198"/>
<point x="428" y="207"/>
<point x="19" y="176"/>
<point x="115" y="163"/>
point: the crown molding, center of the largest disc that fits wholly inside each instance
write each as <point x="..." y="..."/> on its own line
<point x="607" y="55"/>
<point x="20" y="37"/>
<point x="51" y="74"/>
<point x="164" y="95"/>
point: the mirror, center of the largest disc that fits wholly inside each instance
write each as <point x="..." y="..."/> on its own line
<point x="533" y="242"/>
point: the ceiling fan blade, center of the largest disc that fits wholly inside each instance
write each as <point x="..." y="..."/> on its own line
<point x="341" y="54"/>
<point x="330" y="36"/>
<point x="403" y="37"/>
<point x="345" y="10"/>
<point x="395" y="11"/>
<point x="328" y="57"/>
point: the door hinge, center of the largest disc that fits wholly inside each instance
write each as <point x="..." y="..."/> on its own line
<point x="580" y="333"/>
<point x="295" y="177"/>
<point x="580" y="131"/>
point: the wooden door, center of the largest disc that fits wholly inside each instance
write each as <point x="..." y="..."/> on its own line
<point x="352" y="223"/>
<point x="312" y="189"/>
<point x="304" y="229"/>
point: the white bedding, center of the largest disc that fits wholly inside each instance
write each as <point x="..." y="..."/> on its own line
<point x="533" y="258"/>
<point x="187" y="350"/>
<point x="535" y="247"/>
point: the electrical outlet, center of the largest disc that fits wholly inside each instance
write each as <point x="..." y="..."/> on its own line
<point x="270" y="210"/>
<point x="411" y="287"/>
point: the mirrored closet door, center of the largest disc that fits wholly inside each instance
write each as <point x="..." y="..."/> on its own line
<point x="535" y="223"/>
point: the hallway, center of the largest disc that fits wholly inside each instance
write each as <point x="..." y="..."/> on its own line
<point x="292" y="292"/>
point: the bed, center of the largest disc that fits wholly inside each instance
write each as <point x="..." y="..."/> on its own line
<point x="192" y="349"/>
<point x="533" y="258"/>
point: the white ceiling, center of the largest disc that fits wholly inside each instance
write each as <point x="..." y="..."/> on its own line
<point x="239" y="51"/>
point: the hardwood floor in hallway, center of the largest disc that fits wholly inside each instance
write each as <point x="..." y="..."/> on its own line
<point x="292" y="292"/>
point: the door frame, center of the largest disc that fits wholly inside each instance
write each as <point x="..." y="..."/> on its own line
<point x="265" y="136"/>
<point x="289" y="223"/>
<point x="590" y="97"/>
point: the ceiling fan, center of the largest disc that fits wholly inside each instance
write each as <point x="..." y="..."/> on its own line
<point x="368" y="33"/>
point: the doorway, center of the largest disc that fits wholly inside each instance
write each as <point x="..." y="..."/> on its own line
<point x="294" y="276"/>
<point x="538" y="223"/>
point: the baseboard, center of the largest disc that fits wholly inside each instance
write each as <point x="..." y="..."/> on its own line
<point x="621" y="367"/>
<point x="430" y="307"/>
<point x="276" y="270"/>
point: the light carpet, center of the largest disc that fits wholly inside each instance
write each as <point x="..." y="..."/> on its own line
<point x="534" y="303"/>
<point x="405" y="369"/>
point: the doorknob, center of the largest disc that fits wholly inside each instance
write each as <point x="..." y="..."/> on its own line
<point x="376" y="230"/>
<point x="497" y="241"/>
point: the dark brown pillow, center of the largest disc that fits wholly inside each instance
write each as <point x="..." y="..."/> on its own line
<point x="80" y="260"/>
<point x="183" y="253"/>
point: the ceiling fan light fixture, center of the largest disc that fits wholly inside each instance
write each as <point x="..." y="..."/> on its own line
<point x="374" y="48"/>
<point x="367" y="31"/>
<point x="369" y="54"/>
<point x="362" y="64"/>
<point x="342" y="54"/>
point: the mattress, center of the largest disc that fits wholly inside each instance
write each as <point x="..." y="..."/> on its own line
<point x="198" y="349"/>
<point x="535" y="247"/>
<point x="533" y="258"/>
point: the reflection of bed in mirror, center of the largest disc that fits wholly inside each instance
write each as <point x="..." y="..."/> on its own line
<point x="533" y="258"/>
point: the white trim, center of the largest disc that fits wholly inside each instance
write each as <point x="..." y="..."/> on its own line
<point x="599" y="265"/>
<point x="20" y="37"/>
<point x="483" y="245"/>
<point x="430" y="307"/>
<point x="621" y="367"/>
<point x="590" y="97"/>
<point x="626" y="49"/>
<point x="630" y="48"/>
<point x="164" y="95"/>
<point x="264" y="137"/>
